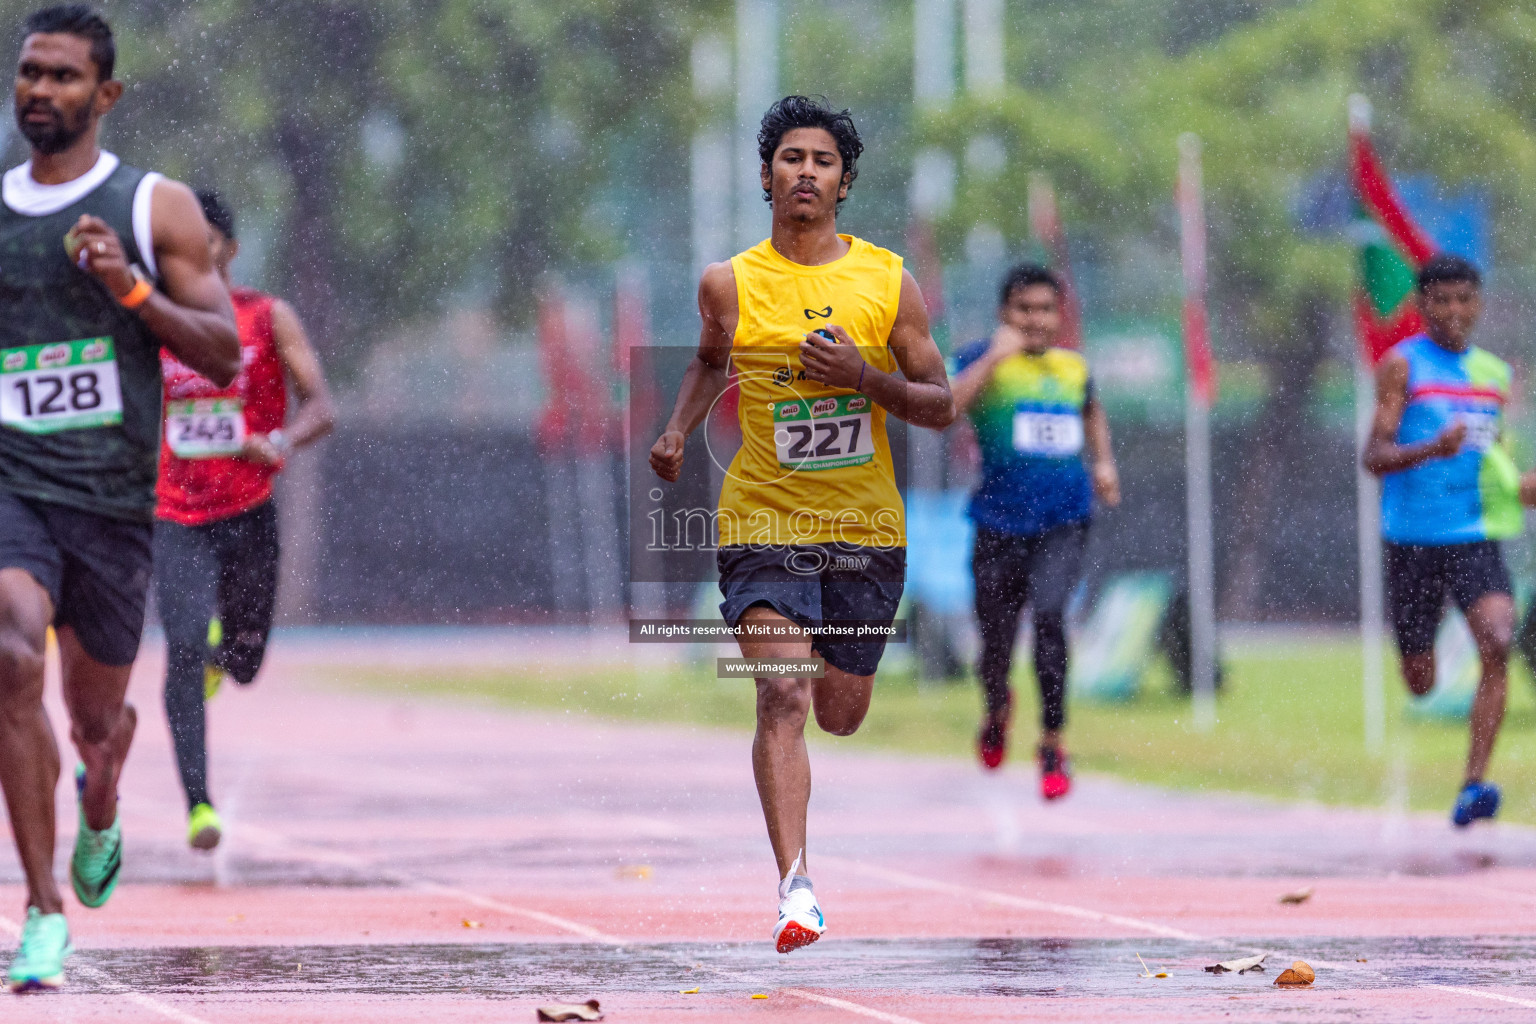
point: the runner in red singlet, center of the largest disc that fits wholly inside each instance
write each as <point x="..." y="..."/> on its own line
<point x="216" y="546"/>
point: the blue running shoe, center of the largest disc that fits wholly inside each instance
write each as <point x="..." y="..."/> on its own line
<point x="1477" y="800"/>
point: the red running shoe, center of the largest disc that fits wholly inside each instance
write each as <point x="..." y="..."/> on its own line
<point x="992" y="743"/>
<point x="1055" y="773"/>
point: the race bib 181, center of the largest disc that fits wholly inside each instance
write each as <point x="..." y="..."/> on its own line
<point x="63" y="386"/>
<point x="823" y="433"/>
<point x="1051" y="434"/>
<point x="205" y="428"/>
<point x="1482" y="430"/>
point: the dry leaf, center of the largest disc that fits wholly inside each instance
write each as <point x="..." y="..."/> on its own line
<point x="640" y="872"/>
<point x="237" y="917"/>
<point x="1160" y="974"/>
<point x="1243" y="966"/>
<point x="472" y="924"/>
<point x="758" y="995"/>
<point x="1299" y="896"/>
<point x="688" y="991"/>
<point x="1298" y="975"/>
<point x="571" y="1011"/>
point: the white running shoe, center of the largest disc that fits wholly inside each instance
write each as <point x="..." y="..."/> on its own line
<point x="800" y="919"/>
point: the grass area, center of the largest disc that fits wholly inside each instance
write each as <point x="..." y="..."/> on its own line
<point x="1291" y="724"/>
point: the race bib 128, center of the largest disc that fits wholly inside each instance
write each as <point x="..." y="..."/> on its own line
<point x="1051" y="434"/>
<point x="205" y="428"/>
<point x="823" y="433"/>
<point x="63" y="386"/>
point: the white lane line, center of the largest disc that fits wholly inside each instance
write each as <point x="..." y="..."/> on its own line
<point x="1009" y="900"/>
<point x="274" y="839"/>
<point x="105" y="981"/>
<point x="1531" y="1003"/>
<point x="843" y="1004"/>
<point x="574" y="927"/>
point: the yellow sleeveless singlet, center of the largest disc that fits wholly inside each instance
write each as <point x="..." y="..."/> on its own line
<point x="815" y="464"/>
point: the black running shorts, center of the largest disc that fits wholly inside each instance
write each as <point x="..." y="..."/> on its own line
<point x="816" y="585"/>
<point x="1420" y="576"/>
<point x="96" y="570"/>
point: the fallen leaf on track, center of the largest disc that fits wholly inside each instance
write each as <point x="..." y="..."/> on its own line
<point x="1298" y="975"/>
<point x="688" y="991"/>
<point x="639" y="872"/>
<point x="472" y="924"/>
<point x="571" y="1011"/>
<point x="1243" y="966"/>
<point x="758" y="995"/>
<point x="1299" y="896"/>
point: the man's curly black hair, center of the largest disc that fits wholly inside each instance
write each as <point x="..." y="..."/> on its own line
<point x="793" y="112"/>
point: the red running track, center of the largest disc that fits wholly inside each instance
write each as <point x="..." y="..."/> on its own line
<point x="392" y="859"/>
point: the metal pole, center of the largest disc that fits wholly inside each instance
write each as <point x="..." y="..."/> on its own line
<point x="1372" y="617"/>
<point x="757" y="87"/>
<point x="1368" y="526"/>
<point x="1197" y="446"/>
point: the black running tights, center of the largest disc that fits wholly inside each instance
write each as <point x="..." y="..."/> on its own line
<point x="1011" y="572"/>
<point x="227" y="568"/>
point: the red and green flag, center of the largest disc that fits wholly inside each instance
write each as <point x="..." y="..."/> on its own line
<point x="1392" y="249"/>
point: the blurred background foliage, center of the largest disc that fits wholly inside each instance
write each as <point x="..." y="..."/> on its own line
<point x="400" y="158"/>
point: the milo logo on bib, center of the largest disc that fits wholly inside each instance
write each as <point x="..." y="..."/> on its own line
<point x="827" y="433"/>
<point x="67" y="385"/>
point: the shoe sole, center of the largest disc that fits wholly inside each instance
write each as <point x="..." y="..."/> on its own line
<point x="49" y="984"/>
<point x="206" y="838"/>
<point x="795" y="937"/>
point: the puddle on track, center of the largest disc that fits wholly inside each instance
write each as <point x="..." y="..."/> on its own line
<point x="948" y="967"/>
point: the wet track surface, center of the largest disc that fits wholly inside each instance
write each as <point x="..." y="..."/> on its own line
<point x="397" y="860"/>
<point x="959" y="967"/>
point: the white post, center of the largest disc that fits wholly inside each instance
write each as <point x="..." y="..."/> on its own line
<point x="711" y="166"/>
<point x="1197" y="448"/>
<point x="1373" y="628"/>
<point x="1372" y="617"/>
<point x="984" y="68"/>
<point x="757" y="87"/>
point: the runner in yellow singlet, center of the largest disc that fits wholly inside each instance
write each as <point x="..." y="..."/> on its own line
<point x="812" y="528"/>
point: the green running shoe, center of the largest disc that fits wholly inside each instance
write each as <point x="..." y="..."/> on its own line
<point x="98" y="858"/>
<point x="204" y="827"/>
<point x="39" y="963"/>
<point x="213" y="676"/>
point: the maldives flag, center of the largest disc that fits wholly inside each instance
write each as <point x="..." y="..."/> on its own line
<point x="1392" y="249"/>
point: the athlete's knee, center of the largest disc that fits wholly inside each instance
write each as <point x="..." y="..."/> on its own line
<point x="840" y="718"/>
<point x="21" y="668"/>
<point x="783" y="699"/>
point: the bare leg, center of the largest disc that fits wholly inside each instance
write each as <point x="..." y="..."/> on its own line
<point x="1492" y="620"/>
<point x="1419" y="672"/>
<point x="780" y="763"/>
<point x="29" y="755"/>
<point x="102" y="725"/>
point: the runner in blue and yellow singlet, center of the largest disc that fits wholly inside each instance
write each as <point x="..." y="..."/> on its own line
<point x="1033" y="407"/>
<point x="1449" y="493"/>
<point x="812" y="530"/>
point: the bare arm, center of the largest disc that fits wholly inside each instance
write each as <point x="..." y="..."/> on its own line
<point x="1101" y="457"/>
<point x="317" y="415"/>
<point x="1382" y="452"/>
<point x="970" y="382"/>
<point x="922" y="398"/>
<point x="707" y="374"/>
<point x="192" y="315"/>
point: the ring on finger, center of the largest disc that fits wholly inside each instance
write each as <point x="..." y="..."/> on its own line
<point x="101" y="248"/>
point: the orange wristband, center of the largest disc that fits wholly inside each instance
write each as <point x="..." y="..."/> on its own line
<point x="137" y="295"/>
